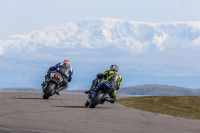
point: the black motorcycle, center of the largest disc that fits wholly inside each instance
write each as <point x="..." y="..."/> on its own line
<point x="52" y="85"/>
<point x="100" y="98"/>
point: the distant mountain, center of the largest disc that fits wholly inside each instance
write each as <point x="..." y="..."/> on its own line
<point x="152" y="90"/>
<point x="103" y="33"/>
<point x="159" y="90"/>
<point x="19" y="90"/>
<point x="146" y="53"/>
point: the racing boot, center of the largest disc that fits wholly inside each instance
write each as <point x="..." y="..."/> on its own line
<point x="112" y="95"/>
<point x="87" y="92"/>
<point x="94" y="83"/>
<point x="112" y="99"/>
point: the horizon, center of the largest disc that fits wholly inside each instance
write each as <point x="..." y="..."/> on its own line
<point x="160" y="85"/>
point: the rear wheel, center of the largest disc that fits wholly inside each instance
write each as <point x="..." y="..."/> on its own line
<point x="48" y="92"/>
<point x="97" y="99"/>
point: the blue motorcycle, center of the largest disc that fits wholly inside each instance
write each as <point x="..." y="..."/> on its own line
<point x="99" y="95"/>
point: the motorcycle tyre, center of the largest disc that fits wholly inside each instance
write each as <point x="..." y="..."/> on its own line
<point x="48" y="92"/>
<point x="97" y="99"/>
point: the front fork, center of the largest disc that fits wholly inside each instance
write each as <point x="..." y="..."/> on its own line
<point x="90" y="97"/>
<point x="57" y="87"/>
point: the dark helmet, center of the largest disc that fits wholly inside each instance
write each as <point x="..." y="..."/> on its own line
<point x="114" y="67"/>
<point x="66" y="62"/>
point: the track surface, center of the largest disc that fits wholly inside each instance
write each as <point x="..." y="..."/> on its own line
<point x="29" y="113"/>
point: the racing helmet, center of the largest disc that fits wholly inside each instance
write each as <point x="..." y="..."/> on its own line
<point x="114" y="67"/>
<point x="66" y="62"/>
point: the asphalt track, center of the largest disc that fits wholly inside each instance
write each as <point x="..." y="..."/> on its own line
<point x="29" y="113"/>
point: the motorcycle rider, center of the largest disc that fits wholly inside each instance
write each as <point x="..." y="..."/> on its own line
<point x="113" y="77"/>
<point x="65" y="70"/>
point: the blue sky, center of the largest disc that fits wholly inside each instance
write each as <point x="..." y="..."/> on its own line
<point x="23" y="16"/>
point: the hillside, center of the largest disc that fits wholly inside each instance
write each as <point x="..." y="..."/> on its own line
<point x="154" y="90"/>
<point x="20" y="90"/>
<point x="159" y="90"/>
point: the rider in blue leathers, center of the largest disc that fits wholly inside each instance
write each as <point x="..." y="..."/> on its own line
<point x="65" y="71"/>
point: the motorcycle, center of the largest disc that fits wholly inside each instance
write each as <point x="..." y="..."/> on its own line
<point x="53" y="83"/>
<point x="100" y="98"/>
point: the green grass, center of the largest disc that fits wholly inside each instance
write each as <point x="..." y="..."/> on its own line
<point x="180" y="106"/>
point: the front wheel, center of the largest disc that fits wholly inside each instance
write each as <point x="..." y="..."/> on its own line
<point x="49" y="90"/>
<point x="97" y="99"/>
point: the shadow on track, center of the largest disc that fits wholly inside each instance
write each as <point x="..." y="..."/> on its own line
<point x="71" y="106"/>
<point x="77" y="107"/>
<point x="30" y="98"/>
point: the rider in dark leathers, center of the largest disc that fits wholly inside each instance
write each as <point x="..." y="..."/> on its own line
<point x="113" y="77"/>
<point x="65" y="71"/>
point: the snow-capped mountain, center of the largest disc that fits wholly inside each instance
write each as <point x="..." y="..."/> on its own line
<point x="135" y="37"/>
<point x="146" y="53"/>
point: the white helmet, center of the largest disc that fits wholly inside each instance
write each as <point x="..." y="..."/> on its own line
<point x="114" y="67"/>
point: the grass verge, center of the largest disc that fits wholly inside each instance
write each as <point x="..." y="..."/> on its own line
<point x="180" y="106"/>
